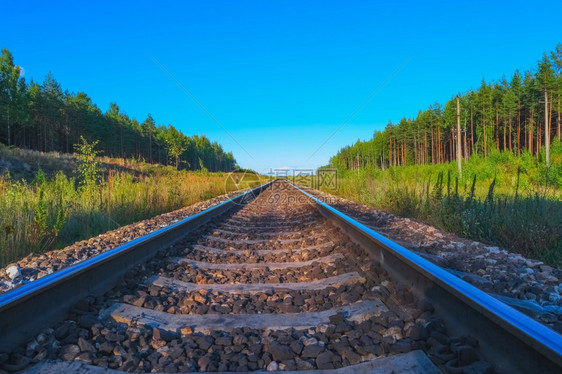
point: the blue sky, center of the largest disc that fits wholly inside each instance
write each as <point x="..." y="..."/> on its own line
<point x="279" y="76"/>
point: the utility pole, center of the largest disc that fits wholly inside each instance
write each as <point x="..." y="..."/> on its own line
<point x="459" y="156"/>
<point x="546" y="129"/>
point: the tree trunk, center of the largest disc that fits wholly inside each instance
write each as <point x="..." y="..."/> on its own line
<point x="531" y="132"/>
<point x="389" y="150"/>
<point x="395" y="153"/>
<point x="538" y="138"/>
<point x="497" y="128"/>
<point x="484" y="127"/>
<point x="518" y="127"/>
<point x="439" y="152"/>
<point x="471" y="130"/>
<point x="558" y="119"/>
<point x="415" y="151"/>
<point x="510" y="139"/>
<point x="504" y="136"/>
<point x="432" y="147"/>
<point x="424" y="145"/>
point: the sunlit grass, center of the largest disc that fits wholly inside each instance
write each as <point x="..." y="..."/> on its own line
<point x="48" y="213"/>
<point x="511" y="210"/>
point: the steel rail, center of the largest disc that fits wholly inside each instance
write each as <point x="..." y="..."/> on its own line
<point x="34" y="306"/>
<point x="510" y="340"/>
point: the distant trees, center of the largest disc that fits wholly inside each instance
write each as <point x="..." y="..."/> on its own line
<point x="10" y="95"/>
<point x="509" y="115"/>
<point x="46" y="118"/>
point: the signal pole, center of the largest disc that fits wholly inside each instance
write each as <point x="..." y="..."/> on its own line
<point x="547" y="129"/>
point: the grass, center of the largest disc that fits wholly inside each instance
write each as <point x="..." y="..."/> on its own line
<point x="49" y="212"/>
<point x="499" y="201"/>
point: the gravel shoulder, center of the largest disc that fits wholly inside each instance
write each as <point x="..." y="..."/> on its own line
<point x="35" y="266"/>
<point x="526" y="284"/>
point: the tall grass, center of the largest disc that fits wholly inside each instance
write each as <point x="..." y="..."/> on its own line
<point x="507" y="206"/>
<point x="44" y="214"/>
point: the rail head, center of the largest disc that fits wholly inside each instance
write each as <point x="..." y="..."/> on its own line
<point x="516" y="325"/>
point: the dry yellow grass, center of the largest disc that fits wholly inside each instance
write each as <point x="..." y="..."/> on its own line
<point x="48" y="213"/>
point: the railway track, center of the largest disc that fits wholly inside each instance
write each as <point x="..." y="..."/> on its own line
<point x="279" y="282"/>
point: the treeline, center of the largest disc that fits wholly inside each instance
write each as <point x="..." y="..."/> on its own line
<point x="508" y="115"/>
<point x="43" y="117"/>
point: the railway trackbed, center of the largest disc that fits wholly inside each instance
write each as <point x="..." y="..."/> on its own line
<point x="271" y="280"/>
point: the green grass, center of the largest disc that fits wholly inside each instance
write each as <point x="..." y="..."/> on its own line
<point x="46" y="213"/>
<point x="503" y="200"/>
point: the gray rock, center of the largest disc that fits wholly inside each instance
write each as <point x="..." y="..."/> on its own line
<point x="106" y="347"/>
<point x="312" y="351"/>
<point x="256" y="348"/>
<point x="223" y="340"/>
<point x="401" y="346"/>
<point x="417" y="332"/>
<point x="13" y="272"/>
<point x="309" y="341"/>
<point x="348" y="354"/>
<point x="273" y="366"/>
<point x="324" y="360"/>
<point x="203" y="362"/>
<point x="69" y="352"/>
<point x="303" y="364"/>
<point x="158" y="334"/>
<point x="171" y="368"/>
<point x="85" y="346"/>
<point x="86" y="357"/>
<point x="296" y="346"/>
<point x="280" y="352"/>
<point x="114" y="337"/>
<point x="204" y="342"/>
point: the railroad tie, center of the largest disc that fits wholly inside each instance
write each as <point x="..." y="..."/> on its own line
<point x="206" y="323"/>
<point x="335" y="281"/>
<point x="257" y="228"/>
<point x="261" y="265"/>
<point x="260" y="252"/>
<point x="268" y="233"/>
<point x="278" y="226"/>
<point x="257" y="241"/>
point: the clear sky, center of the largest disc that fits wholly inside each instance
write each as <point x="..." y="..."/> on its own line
<point x="279" y="76"/>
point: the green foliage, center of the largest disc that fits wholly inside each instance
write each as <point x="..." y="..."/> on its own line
<point x="89" y="167"/>
<point x="40" y="219"/>
<point x="508" y="205"/>
<point x="46" y="118"/>
<point x="499" y="116"/>
<point x="202" y="168"/>
<point x="45" y="229"/>
<point x="40" y="178"/>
